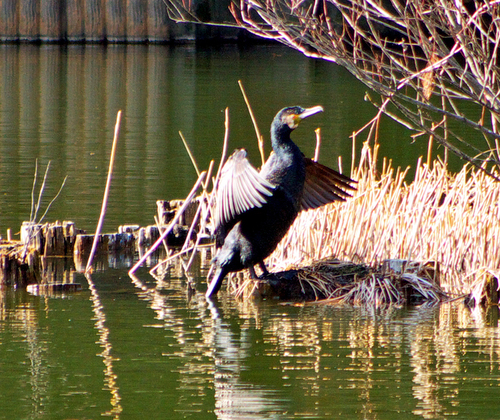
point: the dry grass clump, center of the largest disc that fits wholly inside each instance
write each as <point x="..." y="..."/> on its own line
<point x="395" y="282"/>
<point x="452" y="220"/>
<point x="447" y="221"/>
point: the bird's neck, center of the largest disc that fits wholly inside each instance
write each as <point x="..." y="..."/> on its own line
<point x="280" y="138"/>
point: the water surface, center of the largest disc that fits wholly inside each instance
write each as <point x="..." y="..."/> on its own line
<point x="155" y="348"/>
<point x="146" y="350"/>
<point x="59" y="104"/>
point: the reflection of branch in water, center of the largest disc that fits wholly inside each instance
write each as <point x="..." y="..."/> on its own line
<point x="109" y="375"/>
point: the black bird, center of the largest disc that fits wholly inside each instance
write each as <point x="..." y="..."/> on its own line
<point x="254" y="210"/>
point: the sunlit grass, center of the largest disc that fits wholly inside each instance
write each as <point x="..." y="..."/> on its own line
<point x="440" y="217"/>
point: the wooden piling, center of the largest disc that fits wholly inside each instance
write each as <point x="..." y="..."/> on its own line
<point x="31" y="235"/>
<point x="54" y="240"/>
<point x="116" y="21"/>
<point x="158" y="22"/>
<point x="136" y="21"/>
<point x="75" y="26"/>
<point x="29" y="24"/>
<point x="133" y="21"/>
<point x="9" y="20"/>
<point x="51" y="27"/>
<point x="94" y="15"/>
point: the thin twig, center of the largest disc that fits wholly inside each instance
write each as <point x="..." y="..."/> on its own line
<point x="106" y="193"/>
<point x="178" y="215"/>
<point x="260" y="139"/>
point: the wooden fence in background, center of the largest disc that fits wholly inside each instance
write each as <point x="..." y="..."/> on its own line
<point x="132" y="21"/>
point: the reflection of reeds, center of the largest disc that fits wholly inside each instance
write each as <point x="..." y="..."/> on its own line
<point x="107" y="349"/>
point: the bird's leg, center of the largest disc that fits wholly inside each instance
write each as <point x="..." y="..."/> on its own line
<point x="263" y="268"/>
<point x="252" y="273"/>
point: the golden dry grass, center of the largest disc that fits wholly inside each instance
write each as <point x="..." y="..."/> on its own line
<point x="451" y="219"/>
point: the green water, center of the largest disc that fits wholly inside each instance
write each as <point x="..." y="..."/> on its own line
<point x="149" y="349"/>
<point x="59" y="104"/>
<point x="145" y="350"/>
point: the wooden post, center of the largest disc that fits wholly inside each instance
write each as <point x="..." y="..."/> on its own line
<point x="136" y="21"/>
<point x="9" y="20"/>
<point x="50" y="20"/>
<point x="75" y="26"/>
<point x="116" y="21"/>
<point x="94" y="20"/>
<point x="54" y="240"/>
<point x="29" y="24"/>
<point x="158" y="22"/>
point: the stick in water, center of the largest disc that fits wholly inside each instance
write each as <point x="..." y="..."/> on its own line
<point x="106" y="192"/>
<point x="178" y="215"/>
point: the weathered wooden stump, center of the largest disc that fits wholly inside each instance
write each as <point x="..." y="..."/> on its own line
<point x="19" y="265"/>
<point x="167" y="210"/>
<point x="50" y="239"/>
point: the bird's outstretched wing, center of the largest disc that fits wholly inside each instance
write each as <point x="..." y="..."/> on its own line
<point x="241" y="188"/>
<point x="324" y="185"/>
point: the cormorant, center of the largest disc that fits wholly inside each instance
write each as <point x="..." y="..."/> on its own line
<point x="254" y="210"/>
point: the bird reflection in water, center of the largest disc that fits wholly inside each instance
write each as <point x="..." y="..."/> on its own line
<point x="234" y="398"/>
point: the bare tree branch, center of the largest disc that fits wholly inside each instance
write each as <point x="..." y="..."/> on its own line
<point x="429" y="59"/>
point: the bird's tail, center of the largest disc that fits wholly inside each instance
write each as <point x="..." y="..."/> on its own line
<point x="216" y="282"/>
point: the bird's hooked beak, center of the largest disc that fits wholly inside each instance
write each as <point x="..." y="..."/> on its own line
<point x="295" y="119"/>
<point x="310" y="111"/>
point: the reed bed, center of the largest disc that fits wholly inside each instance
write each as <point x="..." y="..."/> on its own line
<point x="449" y="220"/>
<point x="443" y="227"/>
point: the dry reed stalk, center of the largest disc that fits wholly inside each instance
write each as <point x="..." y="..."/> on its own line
<point x="178" y="215"/>
<point x="260" y="138"/>
<point x="107" y="349"/>
<point x="106" y="192"/>
<point x="193" y="160"/>
<point x="205" y="209"/>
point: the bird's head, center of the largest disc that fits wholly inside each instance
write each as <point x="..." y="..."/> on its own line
<point x="293" y="115"/>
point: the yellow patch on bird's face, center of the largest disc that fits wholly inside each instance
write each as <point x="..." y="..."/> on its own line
<point x="292" y="120"/>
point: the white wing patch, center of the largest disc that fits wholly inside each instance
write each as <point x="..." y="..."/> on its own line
<point x="241" y="188"/>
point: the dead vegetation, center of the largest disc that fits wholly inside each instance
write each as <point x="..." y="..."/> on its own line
<point x="424" y="63"/>
<point x="449" y="220"/>
<point x="440" y="227"/>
